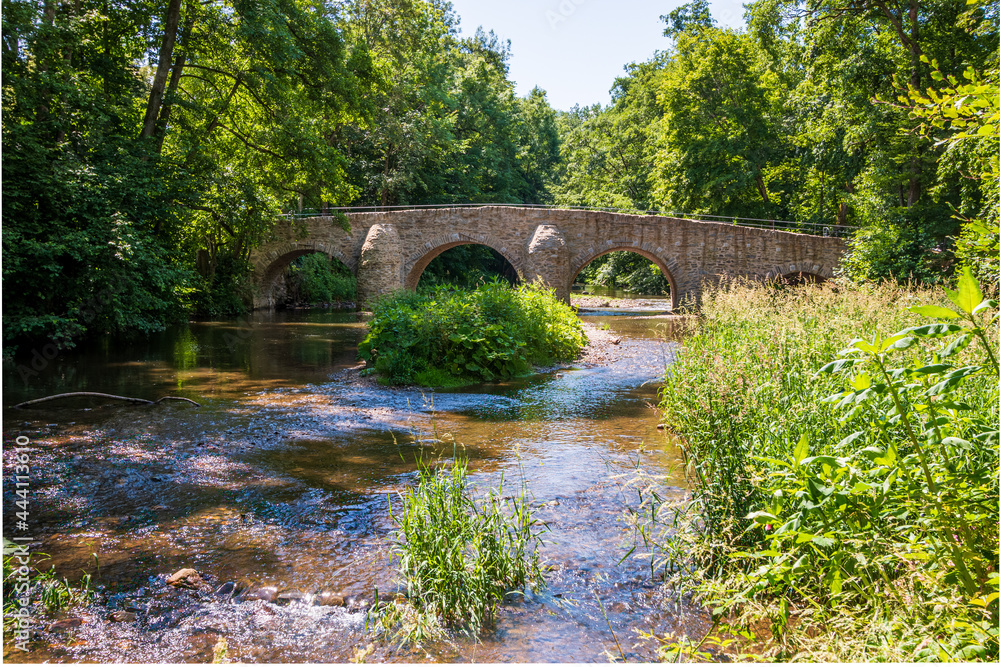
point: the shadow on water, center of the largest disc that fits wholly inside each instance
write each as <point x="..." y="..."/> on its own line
<point x="283" y="479"/>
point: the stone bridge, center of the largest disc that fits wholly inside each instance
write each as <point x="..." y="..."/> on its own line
<point x="389" y="251"/>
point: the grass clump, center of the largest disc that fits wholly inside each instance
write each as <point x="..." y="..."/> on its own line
<point x="42" y="589"/>
<point x="843" y="448"/>
<point x="448" y="337"/>
<point x="459" y="557"/>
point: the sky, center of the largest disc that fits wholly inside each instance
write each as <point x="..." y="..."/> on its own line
<point x="574" y="49"/>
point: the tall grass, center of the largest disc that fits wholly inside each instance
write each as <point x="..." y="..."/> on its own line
<point x="843" y="449"/>
<point x="458" y="556"/>
<point x="447" y="336"/>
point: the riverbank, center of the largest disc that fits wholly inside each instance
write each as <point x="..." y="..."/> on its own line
<point x="621" y="303"/>
<point x="831" y="528"/>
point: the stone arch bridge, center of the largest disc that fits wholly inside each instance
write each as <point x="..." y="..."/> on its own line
<point x="388" y="251"/>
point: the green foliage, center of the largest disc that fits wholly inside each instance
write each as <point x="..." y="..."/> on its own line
<point x="786" y="120"/>
<point x="466" y="266"/>
<point x="458" y="556"/>
<point x="126" y="158"/>
<point x="857" y="504"/>
<point x="446" y="336"/>
<point x="316" y="278"/>
<point x="445" y="125"/>
<point x="627" y="270"/>
<point x="964" y="116"/>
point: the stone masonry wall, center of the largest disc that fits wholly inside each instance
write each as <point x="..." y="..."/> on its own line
<point x="550" y="244"/>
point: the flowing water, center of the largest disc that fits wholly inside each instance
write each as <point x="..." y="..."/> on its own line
<point x="277" y="491"/>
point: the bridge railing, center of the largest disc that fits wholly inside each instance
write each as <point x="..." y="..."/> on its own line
<point x="816" y="229"/>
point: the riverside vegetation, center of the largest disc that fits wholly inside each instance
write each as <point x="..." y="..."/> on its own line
<point x="459" y="557"/>
<point x="448" y="337"/>
<point x="843" y="449"/>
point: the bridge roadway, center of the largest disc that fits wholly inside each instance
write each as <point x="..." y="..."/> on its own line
<point x="388" y="251"/>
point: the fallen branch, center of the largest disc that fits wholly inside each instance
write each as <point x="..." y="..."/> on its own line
<point x="73" y="394"/>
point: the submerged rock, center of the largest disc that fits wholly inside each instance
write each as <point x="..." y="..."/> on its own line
<point x="265" y="593"/>
<point x="290" y="595"/>
<point x="328" y="598"/>
<point x="66" y="624"/>
<point x="121" y="616"/>
<point x="187" y="578"/>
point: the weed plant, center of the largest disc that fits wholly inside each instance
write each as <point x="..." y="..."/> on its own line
<point x="44" y="587"/>
<point x="842" y="444"/>
<point x="459" y="557"/>
<point x="448" y="337"/>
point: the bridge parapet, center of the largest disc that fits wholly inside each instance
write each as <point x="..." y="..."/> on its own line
<point x="389" y="250"/>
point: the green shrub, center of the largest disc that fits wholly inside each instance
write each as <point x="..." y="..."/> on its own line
<point x="844" y="454"/>
<point x="458" y="557"/>
<point x="446" y="336"/>
<point x="626" y="270"/>
<point x="315" y="278"/>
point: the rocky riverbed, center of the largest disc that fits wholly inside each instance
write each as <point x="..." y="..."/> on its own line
<point x="258" y="524"/>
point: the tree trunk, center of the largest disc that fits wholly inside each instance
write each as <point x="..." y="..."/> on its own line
<point x="175" y="79"/>
<point x="162" y="69"/>
<point x="844" y="206"/>
<point x="759" y="180"/>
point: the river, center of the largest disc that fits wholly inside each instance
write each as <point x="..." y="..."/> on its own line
<point x="280" y="483"/>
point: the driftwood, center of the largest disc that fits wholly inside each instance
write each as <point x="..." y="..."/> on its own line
<point x="73" y="394"/>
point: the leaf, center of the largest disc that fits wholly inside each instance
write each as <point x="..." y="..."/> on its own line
<point x="821" y="459"/>
<point x="934" y="311"/>
<point x="837" y="366"/>
<point x="801" y="450"/>
<point x="932" y="369"/>
<point x="821" y="541"/>
<point x="956" y="345"/>
<point x="762" y="517"/>
<point x="849" y="439"/>
<point x="861" y="382"/>
<point x="957" y="442"/>
<point x="989" y="438"/>
<point x="860" y="488"/>
<point x="952" y="380"/>
<point x="899" y="344"/>
<point x="985" y="305"/>
<point x="935" y="330"/>
<point x="968" y="295"/>
<point x="865" y="346"/>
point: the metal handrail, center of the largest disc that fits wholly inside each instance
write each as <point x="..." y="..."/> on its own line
<point x="757" y="223"/>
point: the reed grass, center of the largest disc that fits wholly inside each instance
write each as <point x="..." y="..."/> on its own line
<point x="460" y="554"/>
<point x="842" y="446"/>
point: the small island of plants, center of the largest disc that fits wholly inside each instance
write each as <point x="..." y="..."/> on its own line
<point x="448" y="337"/>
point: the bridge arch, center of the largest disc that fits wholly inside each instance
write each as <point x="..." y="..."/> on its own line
<point x="807" y="270"/>
<point x="269" y="265"/>
<point x="414" y="267"/>
<point x="670" y="268"/>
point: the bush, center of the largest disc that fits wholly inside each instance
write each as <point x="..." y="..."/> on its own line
<point x="844" y="453"/>
<point x="317" y="279"/>
<point x="626" y="270"/>
<point x="458" y="557"/>
<point x="446" y="336"/>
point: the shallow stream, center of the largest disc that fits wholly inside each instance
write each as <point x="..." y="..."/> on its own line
<point x="279" y="485"/>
